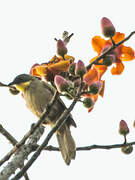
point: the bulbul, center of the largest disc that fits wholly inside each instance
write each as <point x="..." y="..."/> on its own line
<point x="37" y="95"/>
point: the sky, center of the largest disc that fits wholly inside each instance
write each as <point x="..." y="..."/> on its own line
<point x="27" y="33"/>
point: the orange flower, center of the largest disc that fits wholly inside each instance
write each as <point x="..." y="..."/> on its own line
<point x="94" y="75"/>
<point x="55" y="66"/>
<point x="122" y="53"/>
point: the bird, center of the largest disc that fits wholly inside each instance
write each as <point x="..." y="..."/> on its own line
<point x="37" y="94"/>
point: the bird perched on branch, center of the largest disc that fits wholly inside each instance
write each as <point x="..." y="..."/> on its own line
<point x="37" y="95"/>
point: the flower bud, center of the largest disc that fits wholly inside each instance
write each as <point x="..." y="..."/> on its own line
<point x="127" y="149"/>
<point x="123" y="128"/>
<point x="109" y="59"/>
<point x="61" y="48"/>
<point x="71" y="69"/>
<point x="61" y="83"/>
<point x="95" y="87"/>
<point x="107" y="27"/>
<point x="14" y="91"/>
<point x="88" y="102"/>
<point x="77" y="83"/>
<point x="80" y="68"/>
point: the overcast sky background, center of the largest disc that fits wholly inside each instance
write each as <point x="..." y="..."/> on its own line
<point x="27" y="32"/>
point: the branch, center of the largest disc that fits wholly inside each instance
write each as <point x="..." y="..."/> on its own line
<point x="5" y="133"/>
<point x="59" y="122"/>
<point x="13" y="141"/>
<point x="107" y="147"/>
<point x="46" y="112"/>
<point x="88" y="148"/>
<point x="21" y="154"/>
<point x="110" y="49"/>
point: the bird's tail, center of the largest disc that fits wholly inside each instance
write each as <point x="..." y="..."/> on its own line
<point x="66" y="143"/>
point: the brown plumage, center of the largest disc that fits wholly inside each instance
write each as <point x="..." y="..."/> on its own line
<point x="37" y="95"/>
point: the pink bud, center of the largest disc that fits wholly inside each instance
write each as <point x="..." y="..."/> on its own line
<point x="61" y="48"/>
<point x="61" y="83"/>
<point x="80" y="68"/>
<point x="107" y="27"/>
<point x="123" y="128"/>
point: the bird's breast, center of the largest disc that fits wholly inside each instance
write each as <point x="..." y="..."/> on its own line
<point x="37" y="96"/>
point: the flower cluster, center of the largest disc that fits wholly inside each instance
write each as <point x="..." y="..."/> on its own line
<point x="67" y="75"/>
<point x="55" y="66"/>
<point x="91" y="81"/>
<point x="115" y="56"/>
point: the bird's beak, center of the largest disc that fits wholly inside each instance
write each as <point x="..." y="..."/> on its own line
<point x="6" y="85"/>
<point x="11" y="84"/>
<point x="12" y="88"/>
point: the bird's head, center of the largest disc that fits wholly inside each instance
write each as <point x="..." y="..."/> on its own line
<point x="22" y="81"/>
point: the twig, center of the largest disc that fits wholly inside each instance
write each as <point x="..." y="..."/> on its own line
<point x="88" y="148"/>
<point x="5" y="133"/>
<point x="110" y="49"/>
<point x="113" y="43"/>
<point x="125" y="139"/>
<point x="13" y="141"/>
<point x="107" y="147"/>
<point x="46" y="112"/>
<point x="70" y="35"/>
<point x="59" y="122"/>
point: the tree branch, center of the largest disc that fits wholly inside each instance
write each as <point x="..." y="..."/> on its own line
<point x="21" y="154"/>
<point x="88" y="148"/>
<point x="107" y="147"/>
<point x="13" y="141"/>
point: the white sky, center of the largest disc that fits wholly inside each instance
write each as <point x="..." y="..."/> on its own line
<point x="27" y="32"/>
